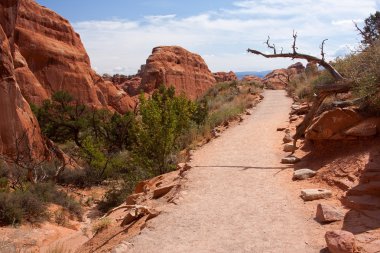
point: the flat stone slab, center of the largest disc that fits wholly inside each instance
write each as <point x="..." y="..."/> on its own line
<point x="303" y="174"/>
<point x="327" y="213"/>
<point x="314" y="194"/>
<point x="289" y="148"/>
<point x="158" y="193"/>
<point x="290" y="160"/>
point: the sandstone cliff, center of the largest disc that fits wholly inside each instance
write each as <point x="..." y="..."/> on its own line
<point x="17" y="120"/>
<point x="49" y="56"/>
<point x="175" y="66"/>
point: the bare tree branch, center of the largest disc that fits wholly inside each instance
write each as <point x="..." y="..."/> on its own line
<point x="363" y="34"/>
<point x="271" y="46"/>
<point x="294" y="42"/>
<point x="337" y="76"/>
<point x="322" y="47"/>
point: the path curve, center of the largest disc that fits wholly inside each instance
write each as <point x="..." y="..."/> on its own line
<point x="236" y="199"/>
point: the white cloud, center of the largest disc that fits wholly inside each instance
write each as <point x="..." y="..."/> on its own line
<point x="106" y="25"/>
<point x="160" y="18"/>
<point x="222" y="36"/>
<point x="346" y="22"/>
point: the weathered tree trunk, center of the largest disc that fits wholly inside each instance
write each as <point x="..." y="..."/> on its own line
<point x="341" y="84"/>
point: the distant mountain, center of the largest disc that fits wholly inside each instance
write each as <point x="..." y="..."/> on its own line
<point x="261" y="74"/>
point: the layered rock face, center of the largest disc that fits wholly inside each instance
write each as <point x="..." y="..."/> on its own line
<point x="17" y="121"/>
<point x="175" y="66"/>
<point x="225" y="76"/>
<point x="49" y="56"/>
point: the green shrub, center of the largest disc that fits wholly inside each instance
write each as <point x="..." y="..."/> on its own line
<point x="164" y="118"/>
<point x="33" y="207"/>
<point x="17" y="207"/>
<point x="48" y="193"/>
<point x="10" y="211"/>
<point x="30" y="205"/>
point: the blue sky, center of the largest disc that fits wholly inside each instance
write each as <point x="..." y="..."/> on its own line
<point x="120" y="34"/>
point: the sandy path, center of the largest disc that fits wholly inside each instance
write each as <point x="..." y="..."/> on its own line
<point x="236" y="199"/>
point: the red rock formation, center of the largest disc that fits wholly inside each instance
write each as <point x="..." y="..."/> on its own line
<point x="225" y="76"/>
<point x="117" y="79"/>
<point x="331" y="125"/>
<point x="298" y="67"/>
<point x="50" y="57"/>
<point x="280" y="78"/>
<point x="175" y="66"/>
<point x="251" y="78"/>
<point x="17" y="120"/>
<point x="132" y="86"/>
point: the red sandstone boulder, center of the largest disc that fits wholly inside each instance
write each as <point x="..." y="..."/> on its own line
<point x="339" y="241"/>
<point x="280" y="78"/>
<point x="175" y="66"/>
<point x="225" y="76"/>
<point x="251" y="78"/>
<point x="277" y="79"/>
<point x="330" y="125"/>
<point x="298" y="67"/>
<point x="366" y="128"/>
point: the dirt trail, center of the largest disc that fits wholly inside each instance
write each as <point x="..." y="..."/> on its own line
<point x="237" y="198"/>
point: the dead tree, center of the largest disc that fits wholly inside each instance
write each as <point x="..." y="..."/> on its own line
<point x="23" y="164"/>
<point x="340" y="85"/>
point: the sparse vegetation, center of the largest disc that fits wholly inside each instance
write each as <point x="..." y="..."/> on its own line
<point x="221" y="104"/>
<point x="361" y="67"/>
<point x="30" y="205"/>
<point x="101" y="224"/>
